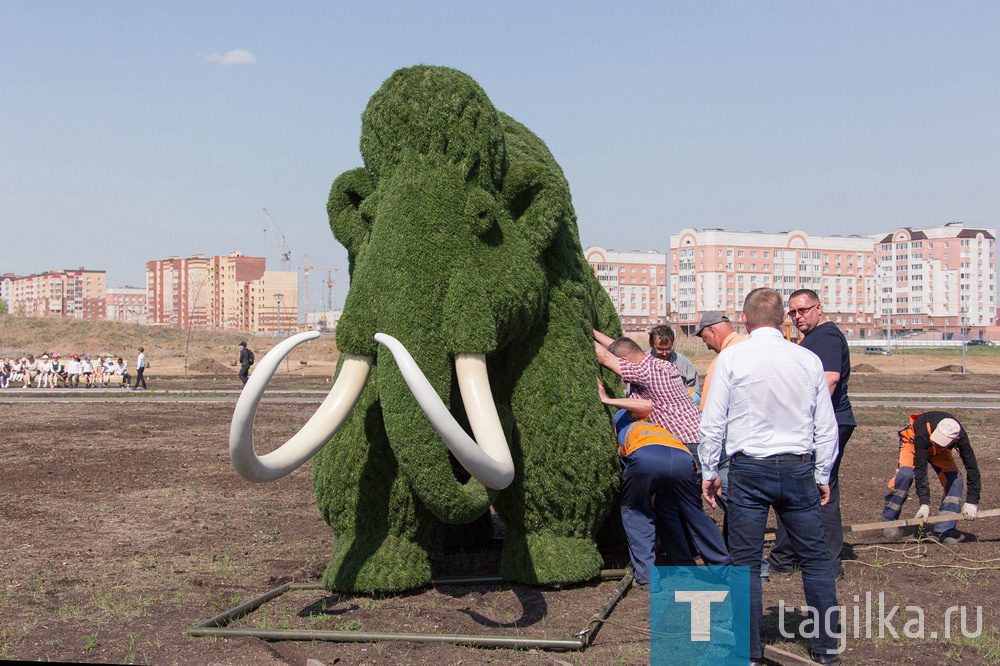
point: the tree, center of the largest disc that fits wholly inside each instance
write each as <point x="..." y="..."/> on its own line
<point x="3" y="307"/>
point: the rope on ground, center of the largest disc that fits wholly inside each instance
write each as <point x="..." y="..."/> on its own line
<point x="917" y="548"/>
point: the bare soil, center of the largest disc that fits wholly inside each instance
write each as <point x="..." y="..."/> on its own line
<point x="122" y="524"/>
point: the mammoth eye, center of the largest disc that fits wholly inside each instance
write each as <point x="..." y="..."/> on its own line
<point x="481" y="211"/>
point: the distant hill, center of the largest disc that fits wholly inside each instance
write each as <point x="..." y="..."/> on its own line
<point x="165" y="346"/>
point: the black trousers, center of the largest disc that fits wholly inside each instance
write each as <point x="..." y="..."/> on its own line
<point x="244" y="374"/>
<point x="782" y="556"/>
<point x="140" y="378"/>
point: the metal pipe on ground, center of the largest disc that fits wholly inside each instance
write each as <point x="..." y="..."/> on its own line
<point x="216" y="626"/>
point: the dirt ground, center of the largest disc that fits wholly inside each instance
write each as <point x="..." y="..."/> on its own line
<point x="122" y="525"/>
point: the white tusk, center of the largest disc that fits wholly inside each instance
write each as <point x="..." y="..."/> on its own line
<point x="489" y="461"/>
<point x="317" y="431"/>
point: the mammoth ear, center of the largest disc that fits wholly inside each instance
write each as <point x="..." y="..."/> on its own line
<point x="348" y="209"/>
<point x="539" y="202"/>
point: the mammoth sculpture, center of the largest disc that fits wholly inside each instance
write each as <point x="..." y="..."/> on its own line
<point x="467" y="372"/>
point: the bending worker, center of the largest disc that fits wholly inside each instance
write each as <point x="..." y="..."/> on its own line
<point x="930" y="438"/>
<point x="656" y="463"/>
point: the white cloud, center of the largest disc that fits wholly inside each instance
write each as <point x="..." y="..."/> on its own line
<point x="234" y="57"/>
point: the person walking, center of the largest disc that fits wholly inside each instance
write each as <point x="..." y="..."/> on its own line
<point x="770" y="407"/>
<point x="930" y="439"/>
<point x="246" y="360"/>
<point x="140" y="369"/>
<point x="825" y="339"/>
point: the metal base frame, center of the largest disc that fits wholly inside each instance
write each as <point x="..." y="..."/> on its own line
<point x="216" y="626"/>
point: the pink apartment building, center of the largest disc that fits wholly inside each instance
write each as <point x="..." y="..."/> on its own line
<point x="636" y="282"/>
<point x="230" y="291"/>
<point x="714" y="269"/>
<point x="126" y="304"/>
<point x="76" y="293"/>
<point x="941" y="278"/>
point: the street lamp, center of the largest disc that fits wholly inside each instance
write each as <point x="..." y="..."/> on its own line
<point x="277" y="299"/>
<point x="965" y="340"/>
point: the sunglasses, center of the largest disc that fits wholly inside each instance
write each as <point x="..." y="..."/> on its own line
<point x="801" y="311"/>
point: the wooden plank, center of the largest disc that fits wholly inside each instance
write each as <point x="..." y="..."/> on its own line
<point x="939" y="518"/>
<point x="908" y="522"/>
<point x="771" y="653"/>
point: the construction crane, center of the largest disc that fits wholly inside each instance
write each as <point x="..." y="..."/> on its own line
<point x="329" y="282"/>
<point x="306" y="267"/>
<point x="283" y="252"/>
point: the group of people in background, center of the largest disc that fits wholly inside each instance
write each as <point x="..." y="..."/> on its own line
<point x="71" y="371"/>
<point x="767" y="431"/>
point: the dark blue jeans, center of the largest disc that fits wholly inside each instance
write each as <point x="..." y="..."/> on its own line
<point x="755" y="485"/>
<point x="669" y="474"/>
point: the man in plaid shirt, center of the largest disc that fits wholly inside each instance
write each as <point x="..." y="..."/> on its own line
<point x="674" y="409"/>
<point x="656" y="380"/>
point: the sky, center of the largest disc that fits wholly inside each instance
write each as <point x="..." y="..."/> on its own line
<point x="132" y="131"/>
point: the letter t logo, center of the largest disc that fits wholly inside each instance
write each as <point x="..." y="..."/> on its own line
<point x="701" y="610"/>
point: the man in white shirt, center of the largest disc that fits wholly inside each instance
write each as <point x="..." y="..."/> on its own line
<point x="770" y="407"/>
<point x="140" y="370"/>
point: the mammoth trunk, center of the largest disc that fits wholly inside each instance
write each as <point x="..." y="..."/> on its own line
<point x="420" y="452"/>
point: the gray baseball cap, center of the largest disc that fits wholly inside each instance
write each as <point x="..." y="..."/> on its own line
<point x="710" y="318"/>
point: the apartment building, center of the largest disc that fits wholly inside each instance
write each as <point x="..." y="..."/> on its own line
<point x="271" y="304"/>
<point x="938" y="277"/>
<point x="177" y="291"/>
<point x="230" y="291"/>
<point x="636" y="281"/>
<point x="714" y="269"/>
<point x="76" y="293"/>
<point x="126" y="304"/>
<point x="7" y="289"/>
<point x="230" y="276"/>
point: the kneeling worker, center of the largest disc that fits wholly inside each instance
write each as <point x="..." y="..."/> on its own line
<point x="657" y="463"/>
<point x="930" y="438"/>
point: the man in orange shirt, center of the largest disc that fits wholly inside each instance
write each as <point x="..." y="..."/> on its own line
<point x="717" y="333"/>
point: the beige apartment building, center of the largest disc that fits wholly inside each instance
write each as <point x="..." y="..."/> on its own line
<point x="637" y="283"/>
<point x="230" y="291"/>
<point x="126" y="304"/>
<point x="76" y="293"/>
<point x="941" y="278"/>
<point x="714" y="269"/>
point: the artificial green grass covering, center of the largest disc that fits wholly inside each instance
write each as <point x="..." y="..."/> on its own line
<point x="462" y="238"/>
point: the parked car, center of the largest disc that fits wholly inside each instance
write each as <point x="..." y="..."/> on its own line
<point x="988" y="343"/>
<point x="877" y="351"/>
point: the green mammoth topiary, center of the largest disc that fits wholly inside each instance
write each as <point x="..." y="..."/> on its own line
<point x="463" y="245"/>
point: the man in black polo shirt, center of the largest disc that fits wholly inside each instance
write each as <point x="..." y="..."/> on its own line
<point x="823" y="338"/>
